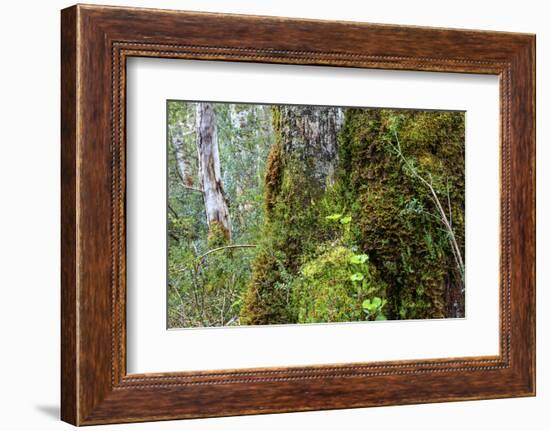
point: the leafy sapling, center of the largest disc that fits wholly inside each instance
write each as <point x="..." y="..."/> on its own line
<point x="373" y="308"/>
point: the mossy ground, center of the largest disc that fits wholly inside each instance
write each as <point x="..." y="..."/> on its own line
<point x="324" y="290"/>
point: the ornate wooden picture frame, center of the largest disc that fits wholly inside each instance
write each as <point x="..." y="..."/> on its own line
<point x="96" y="41"/>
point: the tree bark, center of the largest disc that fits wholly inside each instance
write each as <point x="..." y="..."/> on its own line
<point x="309" y="134"/>
<point x="217" y="213"/>
<point x="301" y="165"/>
<point x="181" y="162"/>
<point x="307" y="145"/>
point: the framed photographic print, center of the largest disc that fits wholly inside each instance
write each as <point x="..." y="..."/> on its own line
<point x="266" y="215"/>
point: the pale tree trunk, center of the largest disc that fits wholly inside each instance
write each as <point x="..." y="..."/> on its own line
<point x="181" y="162"/>
<point x="217" y="213"/>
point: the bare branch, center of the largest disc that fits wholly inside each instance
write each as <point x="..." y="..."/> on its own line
<point x="181" y="171"/>
<point x="448" y="226"/>
<point x="173" y="211"/>
<point x="181" y="311"/>
<point x="202" y="256"/>
<point x="194" y="189"/>
<point x="449" y="204"/>
<point x="179" y="153"/>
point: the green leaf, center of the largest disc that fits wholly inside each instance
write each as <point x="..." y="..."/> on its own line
<point x="381" y="317"/>
<point x="345" y="220"/>
<point x="333" y="217"/>
<point x="359" y="258"/>
<point x="374" y="304"/>
<point x="376" y="301"/>
<point x="367" y="304"/>
<point x="358" y="276"/>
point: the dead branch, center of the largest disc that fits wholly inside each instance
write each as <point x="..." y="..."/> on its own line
<point x="443" y="216"/>
<point x="202" y="256"/>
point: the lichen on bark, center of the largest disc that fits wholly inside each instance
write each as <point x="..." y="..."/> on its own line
<point x="217" y="213"/>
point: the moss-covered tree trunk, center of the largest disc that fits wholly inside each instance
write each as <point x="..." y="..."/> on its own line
<point x="301" y="164"/>
<point x="217" y="213"/>
<point x="399" y="223"/>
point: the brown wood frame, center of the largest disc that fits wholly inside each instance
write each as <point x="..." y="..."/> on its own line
<point x="95" y="43"/>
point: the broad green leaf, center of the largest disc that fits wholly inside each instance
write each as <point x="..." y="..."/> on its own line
<point x="376" y="301"/>
<point x="357" y="277"/>
<point x="345" y="220"/>
<point x="368" y="305"/>
<point x="381" y="317"/>
<point x="359" y="258"/>
<point x="333" y="217"/>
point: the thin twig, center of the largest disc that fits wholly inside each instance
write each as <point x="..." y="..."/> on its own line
<point x="449" y="204"/>
<point x="185" y="186"/>
<point x="429" y="184"/>
<point x="202" y="256"/>
<point x="173" y="211"/>
<point x="182" y="304"/>
<point x="181" y="125"/>
<point x="195" y="189"/>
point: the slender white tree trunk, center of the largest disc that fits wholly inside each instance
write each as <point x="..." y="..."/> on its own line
<point x="181" y="162"/>
<point x="217" y="213"/>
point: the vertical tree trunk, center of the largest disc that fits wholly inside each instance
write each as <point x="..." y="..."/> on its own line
<point x="310" y="135"/>
<point x="306" y="144"/>
<point x="181" y="162"/>
<point x="301" y="165"/>
<point x="217" y="213"/>
<point x="396" y="215"/>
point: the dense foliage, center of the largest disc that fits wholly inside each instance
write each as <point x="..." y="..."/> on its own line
<point x="207" y="291"/>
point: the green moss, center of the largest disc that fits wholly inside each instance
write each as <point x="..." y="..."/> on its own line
<point x="324" y="290"/>
<point x="290" y="236"/>
<point x="267" y="298"/>
<point x="293" y="207"/>
<point x="274" y="166"/>
<point x="398" y="222"/>
<point x="393" y="220"/>
<point x="218" y="236"/>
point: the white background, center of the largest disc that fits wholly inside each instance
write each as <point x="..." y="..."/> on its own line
<point x="29" y="220"/>
<point x="151" y="348"/>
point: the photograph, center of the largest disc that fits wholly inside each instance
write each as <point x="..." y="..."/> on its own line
<point x="305" y="214"/>
<point x="276" y="210"/>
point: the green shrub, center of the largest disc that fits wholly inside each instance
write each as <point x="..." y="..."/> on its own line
<point x="207" y="291"/>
